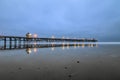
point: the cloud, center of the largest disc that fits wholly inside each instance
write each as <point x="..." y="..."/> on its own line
<point x="76" y="17"/>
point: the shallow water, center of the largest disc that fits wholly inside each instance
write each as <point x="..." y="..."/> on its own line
<point x="101" y="62"/>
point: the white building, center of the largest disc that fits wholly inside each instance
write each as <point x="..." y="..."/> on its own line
<point x="29" y="35"/>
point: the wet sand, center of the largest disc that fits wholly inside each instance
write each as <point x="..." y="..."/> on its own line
<point x="73" y="63"/>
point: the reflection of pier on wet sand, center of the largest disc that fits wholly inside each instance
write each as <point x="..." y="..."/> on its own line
<point x="52" y="46"/>
<point x="44" y="46"/>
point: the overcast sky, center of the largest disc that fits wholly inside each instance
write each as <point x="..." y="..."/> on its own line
<point x="71" y="18"/>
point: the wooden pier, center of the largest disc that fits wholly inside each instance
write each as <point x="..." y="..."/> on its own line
<point x="17" y="40"/>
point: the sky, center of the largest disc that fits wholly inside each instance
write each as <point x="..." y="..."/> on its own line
<point x="98" y="19"/>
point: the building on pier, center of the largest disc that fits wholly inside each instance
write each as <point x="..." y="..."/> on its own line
<point x="28" y="35"/>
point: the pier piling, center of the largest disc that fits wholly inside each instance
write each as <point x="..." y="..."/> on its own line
<point x="17" y="40"/>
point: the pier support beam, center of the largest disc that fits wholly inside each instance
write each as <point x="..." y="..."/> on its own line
<point x="19" y="42"/>
<point x="5" y="43"/>
<point x="10" y="44"/>
<point x="15" y="44"/>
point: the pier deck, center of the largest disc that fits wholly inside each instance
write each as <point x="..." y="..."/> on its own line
<point x="18" y="38"/>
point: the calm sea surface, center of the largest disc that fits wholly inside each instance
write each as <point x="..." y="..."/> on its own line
<point x="101" y="62"/>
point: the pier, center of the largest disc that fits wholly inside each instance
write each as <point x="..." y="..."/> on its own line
<point x="22" y="40"/>
<point x="29" y="41"/>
